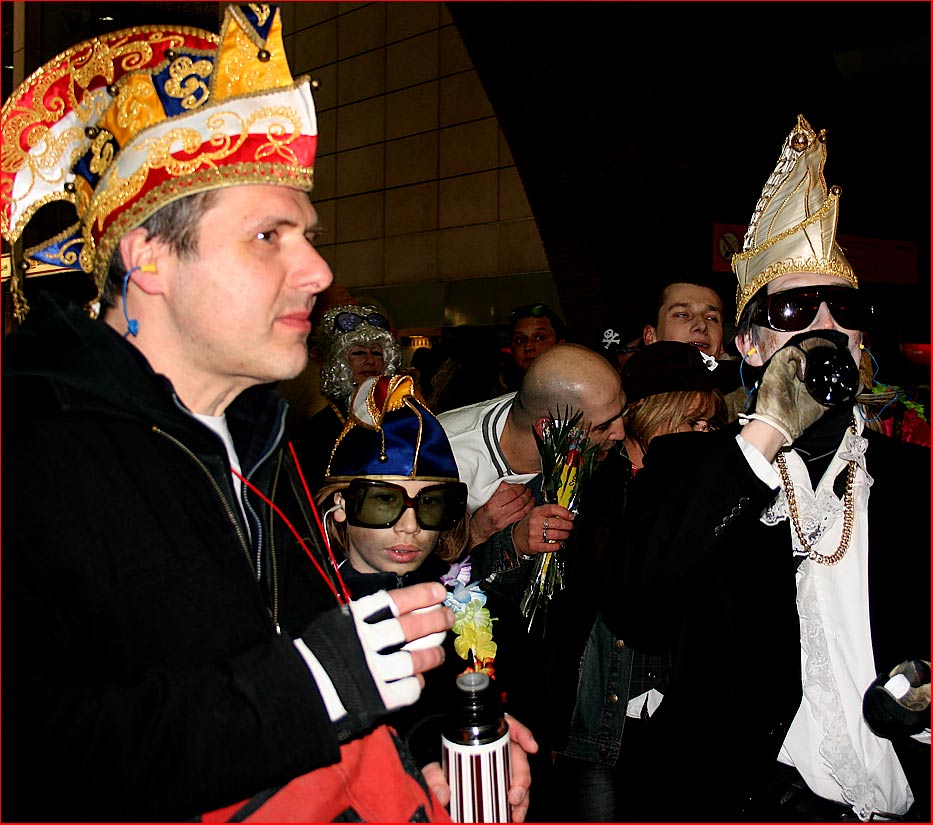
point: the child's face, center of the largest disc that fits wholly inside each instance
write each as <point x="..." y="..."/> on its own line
<point x="398" y="549"/>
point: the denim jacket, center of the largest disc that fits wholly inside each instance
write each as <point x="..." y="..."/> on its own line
<point x="602" y="696"/>
<point x="610" y="674"/>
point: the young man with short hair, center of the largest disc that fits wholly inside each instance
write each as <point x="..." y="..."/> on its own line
<point x="533" y="329"/>
<point x="691" y="312"/>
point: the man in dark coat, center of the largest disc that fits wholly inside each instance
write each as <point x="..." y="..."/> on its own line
<point x="786" y="567"/>
<point x="162" y="652"/>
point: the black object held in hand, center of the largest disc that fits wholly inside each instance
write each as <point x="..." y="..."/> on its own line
<point x="475" y="741"/>
<point x="830" y="375"/>
<point x="897" y="703"/>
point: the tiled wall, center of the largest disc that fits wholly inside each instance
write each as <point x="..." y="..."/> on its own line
<point x="414" y="181"/>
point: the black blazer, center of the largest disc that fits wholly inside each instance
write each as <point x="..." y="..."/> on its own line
<point x="704" y="578"/>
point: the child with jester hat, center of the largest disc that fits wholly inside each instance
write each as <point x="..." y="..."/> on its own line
<point x="395" y="513"/>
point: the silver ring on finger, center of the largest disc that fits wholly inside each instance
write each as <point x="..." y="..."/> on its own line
<point x="546" y="525"/>
<point x="544" y="537"/>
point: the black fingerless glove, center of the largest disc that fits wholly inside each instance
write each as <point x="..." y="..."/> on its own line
<point x="333" y="641"/>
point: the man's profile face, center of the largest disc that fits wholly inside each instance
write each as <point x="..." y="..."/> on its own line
<point x="239" y="308"/>
<point x="602" y="411"/>
<point x="531" y="337"/>
<point x="691" y="314"/>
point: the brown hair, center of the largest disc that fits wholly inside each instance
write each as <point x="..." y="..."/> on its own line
<point x="450" y="543"/>
<point x="666" y="412"/>
<point x="177" y="223"/>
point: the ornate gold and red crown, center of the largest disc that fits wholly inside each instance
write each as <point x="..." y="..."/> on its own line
<point x="125" y="123"/>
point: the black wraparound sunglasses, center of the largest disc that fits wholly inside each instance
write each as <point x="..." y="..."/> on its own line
<point x="794" y="310"/>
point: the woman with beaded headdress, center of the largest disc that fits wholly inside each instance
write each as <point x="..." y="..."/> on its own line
<point x="353" y="342"/>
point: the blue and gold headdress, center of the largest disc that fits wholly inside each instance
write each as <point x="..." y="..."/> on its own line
<point x="391" y="435"/>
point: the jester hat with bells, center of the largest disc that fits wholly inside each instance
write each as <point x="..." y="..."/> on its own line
<point x="793" y="227"/>
<point x="125" y="123"/>
<point x="391" y="435"/>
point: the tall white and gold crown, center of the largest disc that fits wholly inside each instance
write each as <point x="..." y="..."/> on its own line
<point x="793" y="227"/>
<point x="123" y="124"/>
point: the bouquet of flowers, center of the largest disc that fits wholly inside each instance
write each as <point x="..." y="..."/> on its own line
<point x="567" y="462"/>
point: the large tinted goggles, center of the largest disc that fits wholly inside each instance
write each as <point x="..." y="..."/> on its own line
<point x="794" y="310"/>
<point x="372" y="503"/>
<point x="349" y="321"/>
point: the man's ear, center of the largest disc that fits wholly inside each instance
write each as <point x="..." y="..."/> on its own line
<point x="649" y="334"/>
<point x="748" y="350"/>
<point x="139" y="250"/>
<point x="339" y="514"/>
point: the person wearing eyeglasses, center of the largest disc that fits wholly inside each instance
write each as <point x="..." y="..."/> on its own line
<point x="396" y="514"/>
<point x="353" y="343"/>
<point x="533" y="329"/>
<point x="669" y="388"/>
<point x="789" y="556"/>
<point x="602" y="713"/>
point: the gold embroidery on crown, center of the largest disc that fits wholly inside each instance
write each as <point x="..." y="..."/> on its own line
<point x="821" y="213"/>
<point x="241" y="64"/>
<point x="183" y="81"/>
<point x="820" y="266"/>
<point x="117" y="192"/>
<point x="136" y="106"/>
<point x="102" y="57"/>
<point x="68" y="254"/>
<point x="83" y="64"/>
<point x="101" y="152"/>
<point x="262" y="12"/>
<point x="66" y="257"/>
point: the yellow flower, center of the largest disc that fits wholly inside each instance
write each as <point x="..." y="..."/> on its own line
<point x="474" y="632"/>
<point x="568" y="484"/>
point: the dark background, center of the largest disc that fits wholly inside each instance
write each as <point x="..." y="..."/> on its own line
<point x="638" y="126"/>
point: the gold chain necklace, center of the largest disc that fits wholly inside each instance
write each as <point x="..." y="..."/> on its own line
<point x="847" y="518"/>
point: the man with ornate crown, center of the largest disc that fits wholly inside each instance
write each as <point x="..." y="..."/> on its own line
<point x="791" y="558"/>
<point x="165" y="653"/>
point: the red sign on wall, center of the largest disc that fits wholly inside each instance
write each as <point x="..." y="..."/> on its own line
<point x="874" y="259"/>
